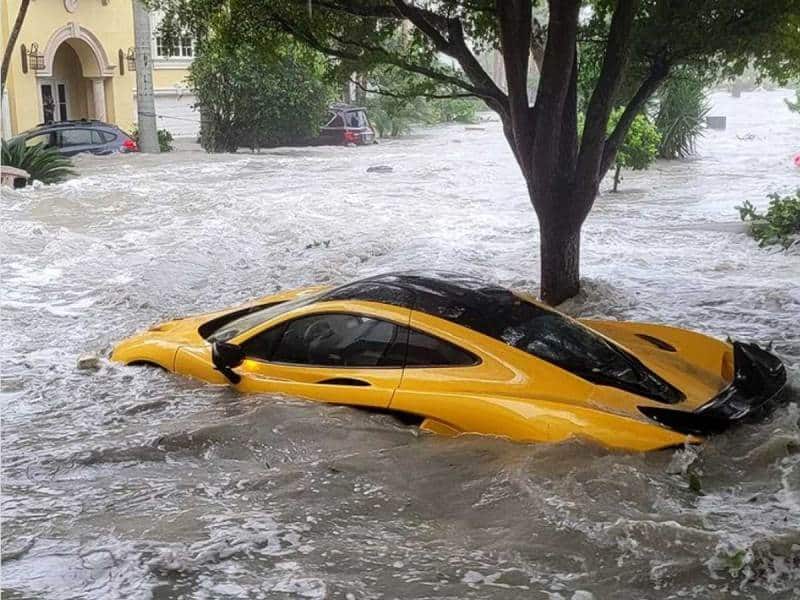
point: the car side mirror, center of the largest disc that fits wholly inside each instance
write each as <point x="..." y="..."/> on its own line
<point x="226" y="357"/>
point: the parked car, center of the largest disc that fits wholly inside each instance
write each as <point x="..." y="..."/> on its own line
<point x="74" y="137"/>
<point x="347" y="125"/>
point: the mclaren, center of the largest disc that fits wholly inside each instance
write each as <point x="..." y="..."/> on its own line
<point x="458" y="355"/>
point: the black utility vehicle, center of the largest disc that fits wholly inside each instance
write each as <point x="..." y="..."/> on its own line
<point x="73" y="137"/>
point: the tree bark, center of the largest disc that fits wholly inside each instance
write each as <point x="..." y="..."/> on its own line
<point x="12" y="42"/>
<point x="559" y="247"/>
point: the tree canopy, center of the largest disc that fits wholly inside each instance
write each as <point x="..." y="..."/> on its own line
<point x="638" y="42"/>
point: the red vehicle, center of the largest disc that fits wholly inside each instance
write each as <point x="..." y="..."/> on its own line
<point x="347" y="125"/>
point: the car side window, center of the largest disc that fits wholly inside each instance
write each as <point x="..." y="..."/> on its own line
<point x="335" y="121"/>
<point x="101" y="137"/>
<point x="262" y="346"/>
<point x="332" y="339"/>
<point x="428" y="351"/>
<point x="44" y="138"/>
<point x="357" y="118"/>
<point x="75" y="137"/>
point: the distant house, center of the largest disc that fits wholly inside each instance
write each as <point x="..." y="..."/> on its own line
<point x="71" y="62"/>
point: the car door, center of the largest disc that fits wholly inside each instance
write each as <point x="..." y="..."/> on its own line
<point x="461" y="381"/>
<point x="75" y="140"/>
<point x="101" y="142"/>
<point x="338" y="357"/>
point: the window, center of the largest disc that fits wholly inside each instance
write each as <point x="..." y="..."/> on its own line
<point x="357" y="118"/>
<point x="428" y="351"/>
<point x="183" y="47"/>
<point x="62" y="101"/>
<point x="336" y="120"/>
<point x="331" y="340"/>
<point x="44" y="138"/>
<point x="229" y="326"/>
<point x="48" y="104"/>
<point x="75" y="137"/>
<point x="263" y="345"/>
<point x="102" y="137"/>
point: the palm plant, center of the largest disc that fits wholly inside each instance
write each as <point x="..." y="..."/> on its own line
<point x="682" y="110"/>
<point x="42" y="163"/>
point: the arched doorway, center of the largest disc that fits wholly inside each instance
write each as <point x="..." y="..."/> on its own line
<point x="73" y="83"/>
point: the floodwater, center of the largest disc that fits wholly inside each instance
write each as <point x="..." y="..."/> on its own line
<point x="127" y="482"/>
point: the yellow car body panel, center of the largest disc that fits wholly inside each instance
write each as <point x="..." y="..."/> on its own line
<point x="507" y="392"/>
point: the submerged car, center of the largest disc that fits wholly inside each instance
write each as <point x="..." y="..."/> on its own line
<point x="457" y="355"/>
<point x="347" y="125"/>
<point x="75" y="137"/>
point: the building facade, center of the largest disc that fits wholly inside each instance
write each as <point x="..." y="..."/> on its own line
<point x="71" y="62"/>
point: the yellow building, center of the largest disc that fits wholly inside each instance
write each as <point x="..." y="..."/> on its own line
<point x="81" y="69"/>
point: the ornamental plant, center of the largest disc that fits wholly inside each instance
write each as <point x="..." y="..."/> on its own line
<point x="42" y="163"/>
<point x="780" y="225"/>
<point x="640" y="147"/>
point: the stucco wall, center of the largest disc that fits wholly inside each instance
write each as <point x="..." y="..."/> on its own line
<point x="108" y="27"/>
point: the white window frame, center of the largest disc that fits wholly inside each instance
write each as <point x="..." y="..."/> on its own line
<point x="160" y="61"/>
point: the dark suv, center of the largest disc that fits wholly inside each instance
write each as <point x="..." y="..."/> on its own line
<point x="73" y="137"/>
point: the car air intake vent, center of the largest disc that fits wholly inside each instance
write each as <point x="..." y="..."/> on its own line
<point x="660" y="344"/>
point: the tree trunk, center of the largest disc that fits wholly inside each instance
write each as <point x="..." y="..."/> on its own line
<point x="617" y="178"/>
<point x="12" y="41"/>
<point x="560" y="259"/>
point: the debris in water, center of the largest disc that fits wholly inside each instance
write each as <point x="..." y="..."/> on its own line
<point x="380" y="169"/>
<point x="89" y="362"/>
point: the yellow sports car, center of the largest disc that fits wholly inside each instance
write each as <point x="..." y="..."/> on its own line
<point x="457" y="355"/>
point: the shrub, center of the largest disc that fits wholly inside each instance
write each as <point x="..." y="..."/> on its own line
<point x="42" y="163"/>
<point x="682" y="110"/>
<point x="640" y="147"/>
<point x="165" y="139"/>
<point x="258" y="97"/>
<point x="779" y="225"/>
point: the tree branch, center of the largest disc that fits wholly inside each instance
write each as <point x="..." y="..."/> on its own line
<point x="602" y="101"/>
<point x="12" y="41"/>
<point x="383" y="92"/>
<point x="454" y="45"/>
<point x="514" y="18"/>
<point x="310" y="39"/>
<point x="658" y="74"/>
<point x="559" y="55"/>
<point x="538" y="41"/>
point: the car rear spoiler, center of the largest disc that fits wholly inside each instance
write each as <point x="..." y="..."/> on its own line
<point x="758" y="383"/>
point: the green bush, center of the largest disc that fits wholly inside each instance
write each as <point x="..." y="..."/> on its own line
<point x="638" y="150"/>
<point x="42" y="163"/>
<point x="165" y="139"/>
<point x="257" y="97"/>
<point x="779" y="225"/>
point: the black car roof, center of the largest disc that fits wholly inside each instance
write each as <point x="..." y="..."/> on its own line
<point x="462" y="299"/>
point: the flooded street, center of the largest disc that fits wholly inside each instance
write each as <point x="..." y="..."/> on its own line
<point x="127" y="482"/>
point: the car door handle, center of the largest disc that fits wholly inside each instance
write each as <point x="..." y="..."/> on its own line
<point x="344" y="381"/>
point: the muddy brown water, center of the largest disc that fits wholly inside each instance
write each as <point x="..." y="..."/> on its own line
<point x="133" y="483"/>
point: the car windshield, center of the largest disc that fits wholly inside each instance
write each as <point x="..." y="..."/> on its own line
<point x="230" y="330"/>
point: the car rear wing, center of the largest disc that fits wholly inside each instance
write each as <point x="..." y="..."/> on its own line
<point x="758" y="384"/>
